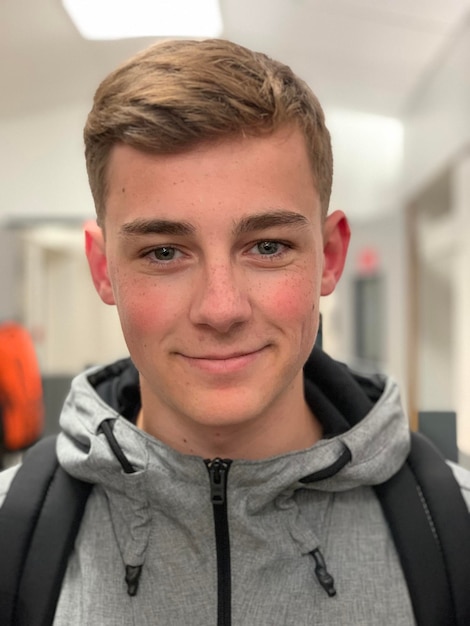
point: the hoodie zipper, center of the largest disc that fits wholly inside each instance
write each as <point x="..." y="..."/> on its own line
<point x="218" y="472"/>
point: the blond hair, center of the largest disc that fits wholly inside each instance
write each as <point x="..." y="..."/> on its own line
<point x="178" y="93"/>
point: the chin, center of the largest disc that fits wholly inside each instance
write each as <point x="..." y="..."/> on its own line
<point x="220" y="414"/>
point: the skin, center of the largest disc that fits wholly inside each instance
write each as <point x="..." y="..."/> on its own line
<point x="216" y="260"/>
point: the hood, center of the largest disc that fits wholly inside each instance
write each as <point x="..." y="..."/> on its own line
<point x="366" y="440"/>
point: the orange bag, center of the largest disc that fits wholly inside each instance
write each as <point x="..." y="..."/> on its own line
<point x="21" y="394"/>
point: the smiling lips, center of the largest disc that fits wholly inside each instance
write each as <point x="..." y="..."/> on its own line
<point x="223" y="364"/>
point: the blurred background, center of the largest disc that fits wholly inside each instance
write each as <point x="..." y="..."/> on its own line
<point x="394" y="79"/>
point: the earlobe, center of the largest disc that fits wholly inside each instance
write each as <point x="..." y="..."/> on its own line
<point x="97" y="261"/>
<point x="336" y="235"/>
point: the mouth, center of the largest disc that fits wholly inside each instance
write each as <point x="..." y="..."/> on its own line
<point x="217" y="363"/>
<point x="224" y="357"/>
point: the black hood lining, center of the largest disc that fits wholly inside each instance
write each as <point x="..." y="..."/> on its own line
<point x="338" y="398"/>
<point x="118" y="385"/>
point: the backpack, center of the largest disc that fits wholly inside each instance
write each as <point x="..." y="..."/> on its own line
<point x="423" y="504"/>
<point x="21" y="396"/>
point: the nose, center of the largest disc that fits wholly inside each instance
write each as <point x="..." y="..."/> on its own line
<point x="220" y="298"/>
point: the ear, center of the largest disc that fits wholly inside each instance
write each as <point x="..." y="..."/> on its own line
<point x="96" y="254"/>
<point x="336" y="235"/>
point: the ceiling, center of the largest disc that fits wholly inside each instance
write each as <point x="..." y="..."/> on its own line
<point x="365" y="59"/>
<point x="366" y="55"/>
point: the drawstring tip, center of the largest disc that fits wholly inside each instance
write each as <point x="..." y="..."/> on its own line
<point x="132" y="578"/>
<point x="325" y="579"/>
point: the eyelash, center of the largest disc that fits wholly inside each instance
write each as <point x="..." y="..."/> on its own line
<point x="150" y="255"/>
<point x="285" y="247"/>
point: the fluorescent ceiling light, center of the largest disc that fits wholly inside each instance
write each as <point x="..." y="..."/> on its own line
<point x="121" y="19"/>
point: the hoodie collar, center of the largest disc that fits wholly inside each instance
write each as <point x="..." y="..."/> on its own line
<point x="366" y="434"/>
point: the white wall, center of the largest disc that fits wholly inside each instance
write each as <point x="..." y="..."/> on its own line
<point x="42" y="168"/>
<point x="437" y="119"/>
<point x="368" y="155"/>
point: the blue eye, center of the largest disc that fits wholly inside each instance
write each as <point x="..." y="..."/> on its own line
<point x="164" y="253"/>
<point x="267" y="248"/>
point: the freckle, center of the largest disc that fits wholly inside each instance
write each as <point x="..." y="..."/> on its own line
<point x="123" y="190"/>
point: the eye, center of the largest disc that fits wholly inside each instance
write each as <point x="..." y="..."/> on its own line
<point x="268" y="247"/>
<point x="164" y="253"/>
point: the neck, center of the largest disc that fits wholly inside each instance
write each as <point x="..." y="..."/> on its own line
<point x="263" y="437"/>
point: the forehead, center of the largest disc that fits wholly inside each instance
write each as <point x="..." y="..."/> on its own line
<point x="233" y="177"/>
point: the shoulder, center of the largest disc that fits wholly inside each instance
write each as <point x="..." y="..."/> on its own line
<point x="462" y="476"/>
<point x="6" y="478"/>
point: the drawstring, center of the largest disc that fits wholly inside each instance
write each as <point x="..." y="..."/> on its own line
<point x="107" y="430"/>
<point x="132" y="571"/>
<point x="325" y="579"/>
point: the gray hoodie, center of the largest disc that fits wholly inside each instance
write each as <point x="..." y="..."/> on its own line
<point x="198" y="552"/>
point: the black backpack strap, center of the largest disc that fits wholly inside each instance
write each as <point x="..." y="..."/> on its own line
<point x="39" y="521"/>
<point x="430" y="524"/>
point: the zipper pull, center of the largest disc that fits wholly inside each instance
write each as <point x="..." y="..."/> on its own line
<point x="218" y="472"/>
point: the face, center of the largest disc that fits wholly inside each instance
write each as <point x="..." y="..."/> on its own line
<point x="216" y="260"/>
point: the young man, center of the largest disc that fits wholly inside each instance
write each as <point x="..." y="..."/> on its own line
<point x="232" y="471"/>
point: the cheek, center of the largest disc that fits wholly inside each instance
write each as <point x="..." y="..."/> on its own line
<point x="144" y="308"/>
<point x="295" y="300"/>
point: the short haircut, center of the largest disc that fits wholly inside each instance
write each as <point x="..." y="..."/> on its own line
<point x="177" y="94"/>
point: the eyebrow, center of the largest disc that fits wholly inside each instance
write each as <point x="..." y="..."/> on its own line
<point x="258" y="221"/>
<point x="261" y="221"/>
<point x="156" y="227"/>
